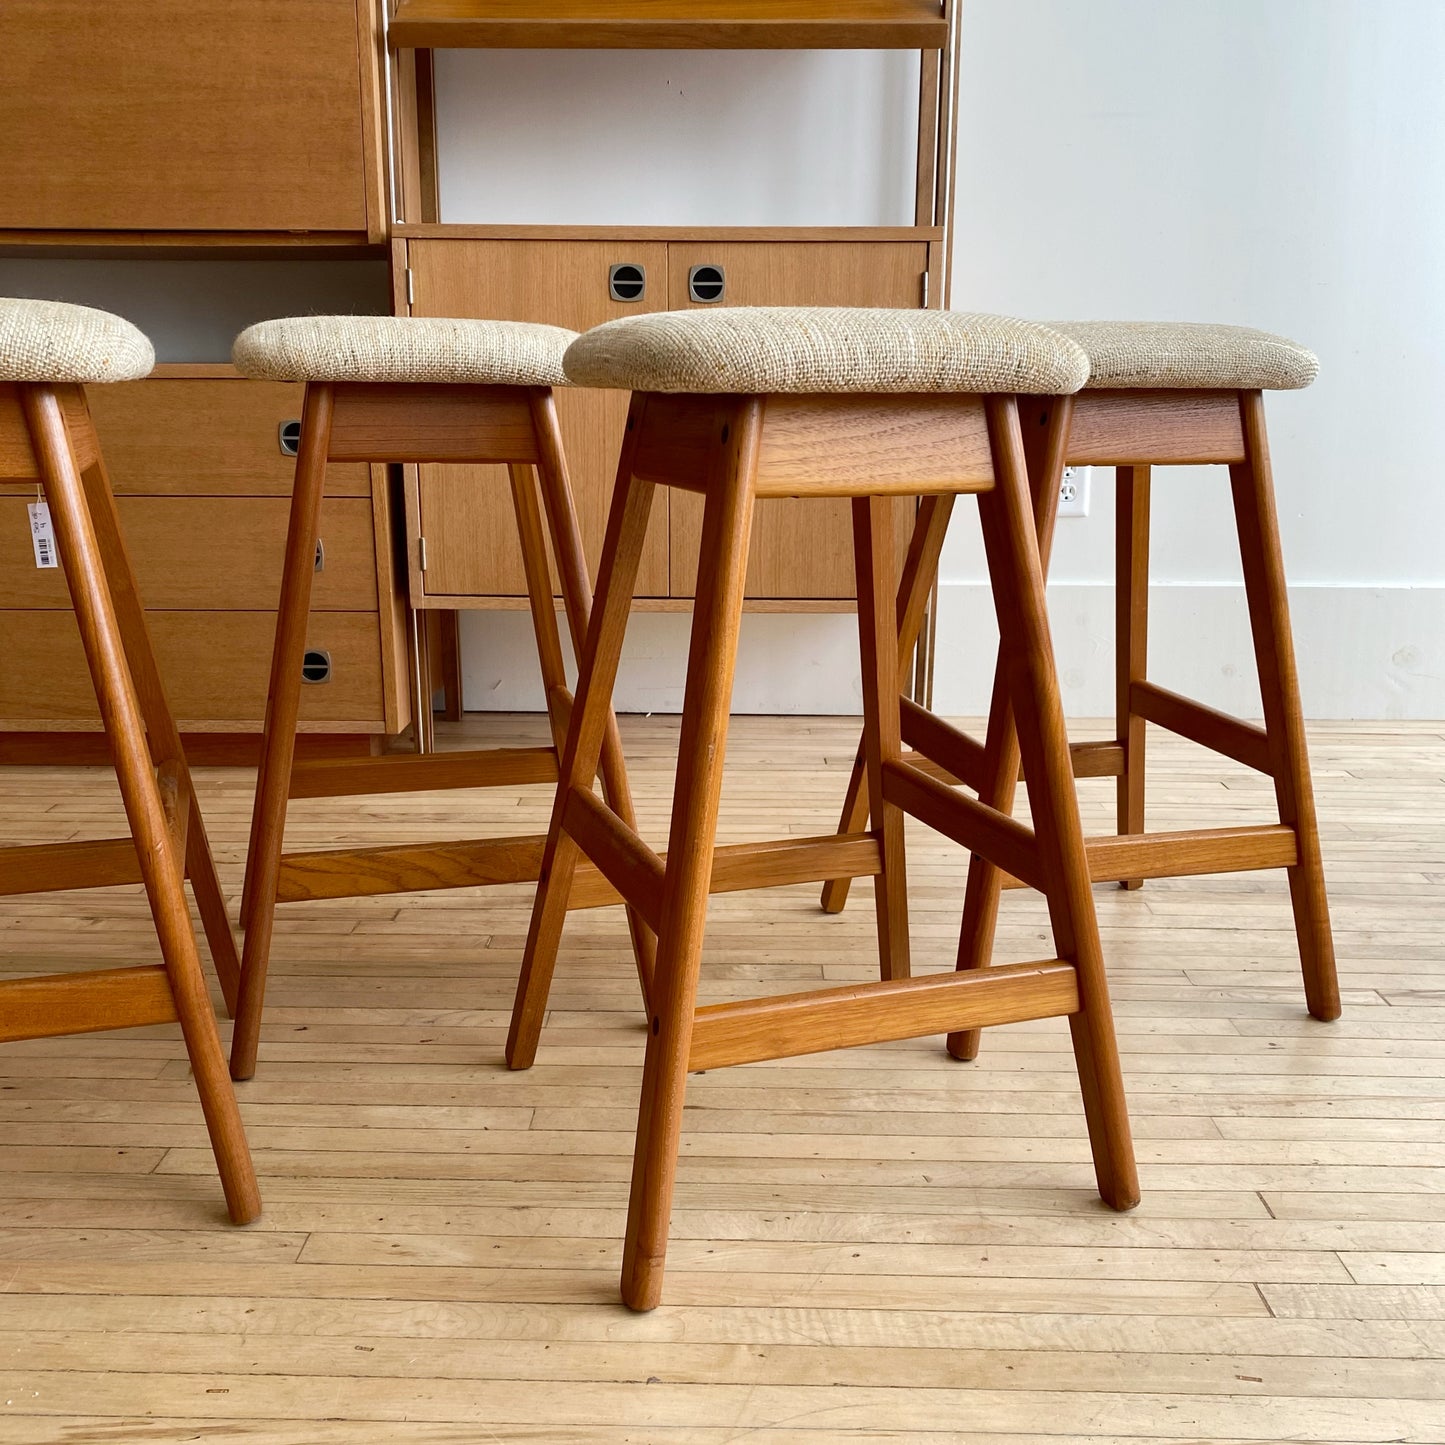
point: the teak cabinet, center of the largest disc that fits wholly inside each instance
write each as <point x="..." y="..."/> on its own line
<point x="203" y="482"/>
<point x="190" y="117"/>
<point x="462" y="548"/>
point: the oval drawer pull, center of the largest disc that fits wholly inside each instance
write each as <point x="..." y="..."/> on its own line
<point x="316" y="666"/>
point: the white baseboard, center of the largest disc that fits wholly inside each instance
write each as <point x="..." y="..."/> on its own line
<point x="1364" y="652"/>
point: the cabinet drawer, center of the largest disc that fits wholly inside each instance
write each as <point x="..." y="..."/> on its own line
<point x="206" y="437"/>
<point x="207" y="553"/>
<point x="182" y="115"/>
<point x="215" y="666"/>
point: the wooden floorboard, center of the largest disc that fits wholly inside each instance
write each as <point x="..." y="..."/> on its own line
<point x="870" y="1246"/>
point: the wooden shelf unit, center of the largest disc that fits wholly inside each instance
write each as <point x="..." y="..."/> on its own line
<point x="671" y="25"/>
<point x="559" y="274"/>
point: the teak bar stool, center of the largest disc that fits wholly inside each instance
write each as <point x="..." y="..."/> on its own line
<point x="748" y="403"/>
<point x="393" y="389"/>
<point x="1158" y="394"/>
<point x="48" y="352"/>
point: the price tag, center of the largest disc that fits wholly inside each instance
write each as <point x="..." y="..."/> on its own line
<point x="42" y="535"/>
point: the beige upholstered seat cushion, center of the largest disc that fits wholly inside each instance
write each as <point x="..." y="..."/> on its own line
<point x="754" y="350"/>
<point x="54" y="341"/>
<point x="403" y="349"/>
<point x="1187" y="355"/>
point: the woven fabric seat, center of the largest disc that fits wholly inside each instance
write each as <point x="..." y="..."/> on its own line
<point x="758" y="350"/>
<point x="403" y="349"/>
<point x="52" y="341"/>
<point x="1187" y="356"/>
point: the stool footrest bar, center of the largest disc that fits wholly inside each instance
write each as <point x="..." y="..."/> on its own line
<point x="840" y="1018"/>
<point x="628" y="864"/>
<point x="408" y="868"/>
<point x="409" y="773"/>
<point x="1245" y="742"/>
<point x="1185" y="854"/>
<point x="999" y="838"/>
<point x="738" y="867"/>
<point x="1095" y="760"/>
<point x="59" y="867"/>
<point x="943" y="744"/>
<point x="83" y="1003"/>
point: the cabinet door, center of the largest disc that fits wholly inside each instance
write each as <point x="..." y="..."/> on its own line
<point x="801" y="548"/>
<point x="466" y="512"/>
<point x="182" y="115"/>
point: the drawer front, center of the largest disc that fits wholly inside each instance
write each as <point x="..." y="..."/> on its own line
<point x="207" y="553"/>
<point x="203" y="437"/>
<point x="215" y="666"/>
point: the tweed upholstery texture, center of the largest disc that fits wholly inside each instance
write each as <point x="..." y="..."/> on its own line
<point x="55" y="341"/>
<point x="1182" y="355"/>
<point x="754" y="350"/>
<point x="403" y="349"/>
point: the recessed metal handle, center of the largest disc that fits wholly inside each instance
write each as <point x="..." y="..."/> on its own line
<point x="706" y="284"/>
<point x="288" y="434"/>
<point x="320" y="565"/>
<point x="627" y="281"/>
<point x="316" y="666"/>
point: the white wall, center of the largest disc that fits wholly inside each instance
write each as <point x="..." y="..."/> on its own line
<point x="1271" y="162"/>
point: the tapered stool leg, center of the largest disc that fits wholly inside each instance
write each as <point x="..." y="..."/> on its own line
<point x="571" y="561"/>
<point x="717" y="616"/>
<point x="591" y="713"/>
<point x="1045" y="441"/>
<point x="1018" y="585"/>
<point x="920" y="567"/>
<point x="1131" y="641"/>
<point x="283" y="704"/>
<point x="882" y="743"/>
<point x="1255" y="513"/>
<point x="161" y="731"/>
<point x="160" y="863"/>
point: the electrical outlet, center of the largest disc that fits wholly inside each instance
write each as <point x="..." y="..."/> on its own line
<point x="1074" y="492"/>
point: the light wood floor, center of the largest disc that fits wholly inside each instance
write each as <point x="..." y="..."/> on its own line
<point x="877" y="1245"/>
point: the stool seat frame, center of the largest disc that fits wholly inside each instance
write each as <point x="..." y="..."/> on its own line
<point x="400" y="423"/>
<point x="871" y="449"/>
<point x="47" y="440"/>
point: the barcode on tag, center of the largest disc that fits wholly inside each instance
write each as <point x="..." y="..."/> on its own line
<point x="42" y="535"/>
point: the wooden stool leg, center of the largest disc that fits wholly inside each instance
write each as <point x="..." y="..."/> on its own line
<point x="577" y="603"/>
<point x="161" y="866"/>
<point x="717" y="617"/>
<point x="1131" y="639"/>
<point x="162" y="734"/>
<point x="621" y="557"/>
<point x="1254" y="508"/>
<point x="539" y="599"/>
<point x="878" y="650"/>
<point x="278" y="744"/>
<point x="1046" y="454"/>
<point x="1018" y="584"/>
<point x="920" y="568"/>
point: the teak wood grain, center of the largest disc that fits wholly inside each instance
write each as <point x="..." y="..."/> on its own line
<point x="202" y="117"/>
<point x="715" y="447"/>
<point x="167" y="837"/>
<point x="671" y="24"/>
<point x="398" y="423"/>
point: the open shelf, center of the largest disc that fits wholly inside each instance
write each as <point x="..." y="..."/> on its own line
<point x="670" y="25"/>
